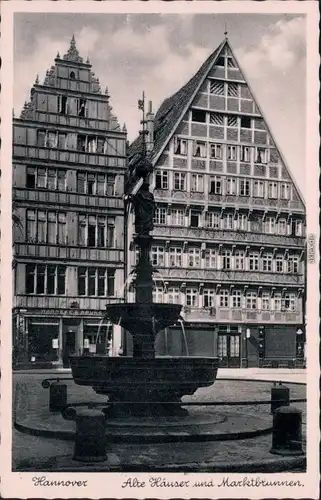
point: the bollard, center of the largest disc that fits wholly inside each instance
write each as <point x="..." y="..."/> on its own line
<point x="57" y="396"/>
<point x="280" y="396"/>
<point x="90" y="440"/>
<point x="287" y="431"/>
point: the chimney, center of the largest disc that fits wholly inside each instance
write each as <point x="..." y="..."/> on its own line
<point x="150" y="117"/>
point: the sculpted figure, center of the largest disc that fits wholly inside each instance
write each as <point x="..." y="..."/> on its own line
<point x="144" y="207"/>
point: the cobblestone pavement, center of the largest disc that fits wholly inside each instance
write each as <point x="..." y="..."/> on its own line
<point x="31" y="449"/>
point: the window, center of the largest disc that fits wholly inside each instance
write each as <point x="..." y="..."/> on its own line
<point x="41" y="138"/>
<point x="198" y="116"/>
<point x="282" y="226"/>
<point x="216" y="151"/>
<point x="242" y="222"/>
<point x="179" y="181"/>
<point x="93" y="281"/>
<point x="231" y="153"/>
<point x="96" y="184"/>
<point x="230" y="62"/>
<point x="46" y="227"/>
<point x="259" y="124"/>
<point x="267" y="262"/>
<point x="284" y="191"/>
<point x="236" y="299"/>
<point x="293" y="264"/>
<point x="210" y="258"/>
<point x="220" y="61"/>
<point x="194" y="257"/>
<point x="158" y="254"/>
<point x="96" y="231"/>
<point x="230" y="186"/>
<point x="191" y="297"/>
<point x="209" y="297"/>
<point x="261" y="155"/>
<point x="161" y="179"/>
<point x="72" y="75"/>
<point x="273" y="190"/>
<point x="226" y="260"/>
<point x="62" y="104"/>
<point x="239" y="260"/>
<point x="81" y="142"/>
<point x="180" y="146"/>
<point x="231" y="121"/>
<point x="195" y="219"/>
<point x="212" y="220"/>
<point x="253" y="261"/>
<point x="232" y="89"/>
<point x="251" y="300"/>
<point x="298" y="228"/>
<point x="217" y="119"/>
<point x="277" y="301"/>
<point x="31" y="177"/>
<point x="158" y="294"/>
<point x="216" y="87"/>
<point x="279" y="259"/>
<point x="197" y="183"/>
<point x="269" y="225"/>
<point x="224" y="298"/>
<point x="265" y="301"/>
<point x="160" y="216"/>
<point x="45" y="279"/>
<point x="258" y="189"/>
<point x="215" y="185"/>
<point x="245" y="153"/>
<point x="228" y="220"/>
<point x="81" y="107"/>
<point x="245" y="122"/>
<point x="244" y="187"/>
<point x="178" y="217"/>
<point x="175" y="257"/>
<point x="173" y="296"/>
<point x="288" y="302"/>
<point x="199" y="149"/>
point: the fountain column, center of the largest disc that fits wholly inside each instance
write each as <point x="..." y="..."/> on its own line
<point x="144" y="208"/>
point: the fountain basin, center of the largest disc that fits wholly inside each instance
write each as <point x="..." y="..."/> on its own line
<point x="145" y="317"/>
<point x="127" y="379"/>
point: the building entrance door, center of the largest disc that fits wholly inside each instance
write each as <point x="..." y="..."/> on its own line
<point x="228" y="350"/>
<point x="69" y="333"/>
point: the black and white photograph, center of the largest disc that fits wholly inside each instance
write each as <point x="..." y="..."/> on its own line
<point x="159" y="255"/>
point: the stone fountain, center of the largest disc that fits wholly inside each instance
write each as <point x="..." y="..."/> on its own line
<point x="144" y="382"/>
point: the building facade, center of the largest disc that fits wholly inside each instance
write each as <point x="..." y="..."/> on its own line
<point x="69" y="162"/>
<point x="229" y="233"/>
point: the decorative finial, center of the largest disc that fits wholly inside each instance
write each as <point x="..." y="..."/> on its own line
<point x="58" y="55"/>
<point x="106" y="91"/>
<point x="72" y="53"/>
<point x="12" y="112"/>
<point x="37" y="80"/>
<point x="73" y="42"/>
<point x="87" y="60"/>
<point x="124" y="128"/>
<point x="225" y="32"/>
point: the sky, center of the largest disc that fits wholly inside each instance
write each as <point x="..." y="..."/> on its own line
<point x="158" y="53"/>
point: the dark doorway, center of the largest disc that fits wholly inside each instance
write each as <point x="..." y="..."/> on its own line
<point x="69" y="347"/>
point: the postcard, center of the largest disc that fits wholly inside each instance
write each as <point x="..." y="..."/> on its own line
<point x="159" y="250"/>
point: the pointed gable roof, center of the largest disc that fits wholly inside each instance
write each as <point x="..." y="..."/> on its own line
<point x="72" y="53"/>
<point x="172" y="110"/>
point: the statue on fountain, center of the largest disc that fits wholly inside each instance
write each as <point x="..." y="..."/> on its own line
<point x="144" y="208"/>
